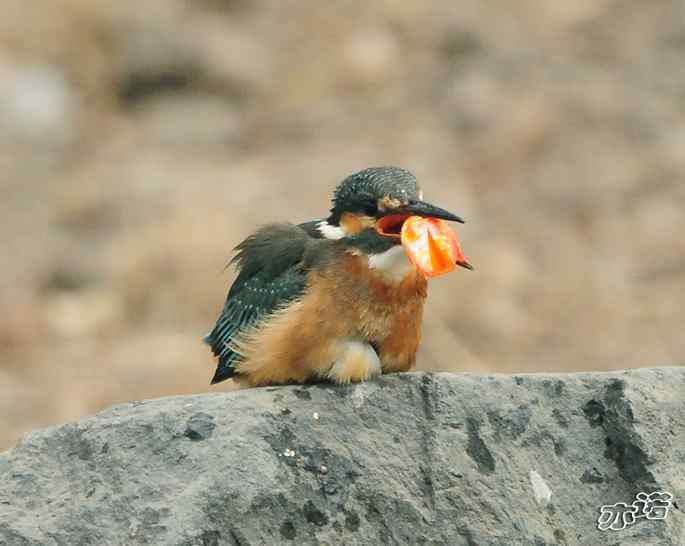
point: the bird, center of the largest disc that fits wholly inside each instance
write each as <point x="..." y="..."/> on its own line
<point x="335" y="299"/>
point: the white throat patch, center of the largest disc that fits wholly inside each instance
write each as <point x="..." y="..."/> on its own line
<point x="393" y="264"/>
<point x="331" y="232"/>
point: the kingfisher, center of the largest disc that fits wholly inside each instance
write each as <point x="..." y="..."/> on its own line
<point x="335" y="299"/>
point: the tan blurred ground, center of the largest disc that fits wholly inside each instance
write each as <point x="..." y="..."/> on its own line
<point x="140" y="141"/>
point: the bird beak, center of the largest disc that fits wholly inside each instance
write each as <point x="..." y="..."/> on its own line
<point x="421" y="208"/>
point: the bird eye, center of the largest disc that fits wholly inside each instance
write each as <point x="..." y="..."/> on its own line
<point x="370" y="208"/>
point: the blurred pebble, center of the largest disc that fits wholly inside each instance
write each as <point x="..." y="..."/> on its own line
<point x="75" y="314"/>
<point x="37" y="104"/>
<point x="194" y="120"/>
<point x="370" y="55"/>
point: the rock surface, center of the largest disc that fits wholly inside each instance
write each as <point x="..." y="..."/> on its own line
<point x="408" y="459"/>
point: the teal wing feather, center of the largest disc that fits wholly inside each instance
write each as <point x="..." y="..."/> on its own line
<point x="272" y="273"/>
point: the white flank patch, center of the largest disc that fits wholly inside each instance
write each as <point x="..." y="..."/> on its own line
<point x="331" y="232"/>
<point x="356" y="350"/>
<point x="393" y="263"/>
<point x="542" y="492"/>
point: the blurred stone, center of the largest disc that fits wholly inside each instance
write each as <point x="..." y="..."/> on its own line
<point x="508" y="269"/>
<point x="153" y="61"/>
<point x="66" y="277"/>
<point x="476" y="101"/>
<point x="37" y="104"/>
<point x="658" y="218"/>
<point x="560" y="14"/>
<point x="235" y="60"/>
<point x="21" y="324"/>
<point x="460" y="44"/>
<point x="156" y="57"/>
<point x="87" y="210"/>
<point x="192" y="120"/>
<point x="370" y="56"/>
<point x="77" y="313"/>
<point x="673" y="146"/>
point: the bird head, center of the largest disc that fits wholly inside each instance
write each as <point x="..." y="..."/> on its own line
<point x="371" y="206"/>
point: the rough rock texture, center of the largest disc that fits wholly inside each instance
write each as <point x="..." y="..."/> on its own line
<point x="409" y="459"/>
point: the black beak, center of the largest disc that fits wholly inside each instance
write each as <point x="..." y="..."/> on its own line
<point x="421" y="208"/>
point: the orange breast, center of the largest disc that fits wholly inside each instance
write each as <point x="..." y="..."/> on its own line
<point x="387" y="314"/>
<point x="346" y="301"/>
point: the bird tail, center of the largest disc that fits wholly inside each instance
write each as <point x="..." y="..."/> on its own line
<point x="227" y="357"/>
<point x="223" y="371"/>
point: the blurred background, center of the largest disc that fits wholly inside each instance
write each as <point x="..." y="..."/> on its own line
<point x="141" y="141"/>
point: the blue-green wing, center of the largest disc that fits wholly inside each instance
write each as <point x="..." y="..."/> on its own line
<point x="272" y="274"/>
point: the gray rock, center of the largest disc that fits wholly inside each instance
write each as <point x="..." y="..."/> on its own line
<point x="408" y="459"/>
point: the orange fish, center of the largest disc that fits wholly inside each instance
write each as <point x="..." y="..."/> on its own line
<point x="432" y="246"/>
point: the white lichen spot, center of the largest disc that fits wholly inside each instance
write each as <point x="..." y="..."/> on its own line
<point x="289" y="453"/>
<point x="358" y="397"/>
<point x="542" y="492"/>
